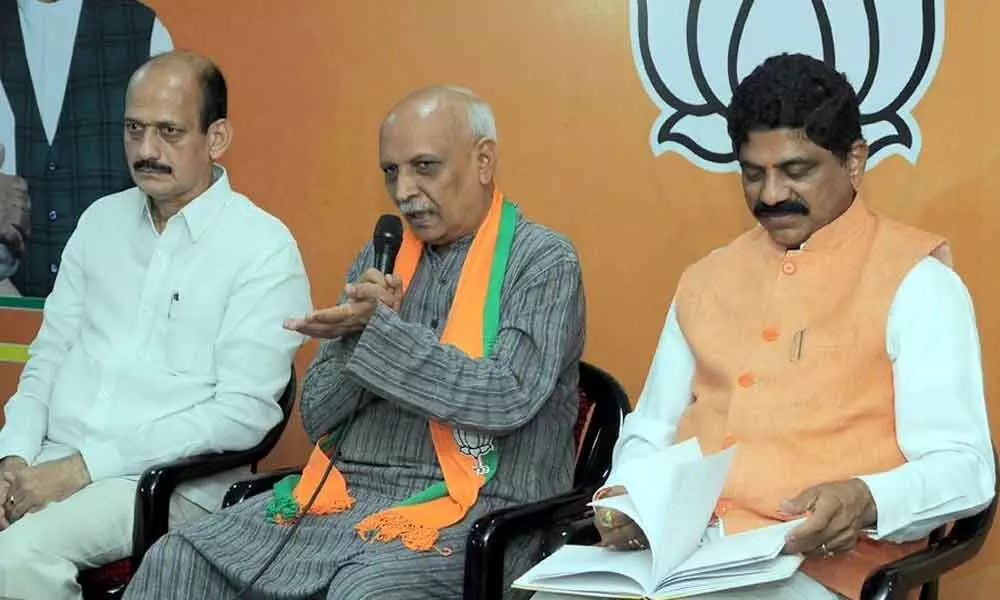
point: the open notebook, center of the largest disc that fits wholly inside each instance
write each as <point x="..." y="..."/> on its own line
<point x="671" y="496"/>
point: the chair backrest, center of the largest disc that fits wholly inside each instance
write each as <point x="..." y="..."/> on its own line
<point x="286" y="402"/>
<point x="603" y="406"/>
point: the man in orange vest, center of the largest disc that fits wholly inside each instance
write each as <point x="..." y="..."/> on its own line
<point x="836" y="348"/>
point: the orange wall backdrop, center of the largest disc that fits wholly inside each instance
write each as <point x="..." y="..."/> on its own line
<point x="310" y="81"/>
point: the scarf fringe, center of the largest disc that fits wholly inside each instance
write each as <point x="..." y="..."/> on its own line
<point x="390" y="525"/>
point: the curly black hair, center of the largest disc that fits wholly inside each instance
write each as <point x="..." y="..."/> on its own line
<point x="796" y="91"/>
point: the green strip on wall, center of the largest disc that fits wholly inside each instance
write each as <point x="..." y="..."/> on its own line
<point x="13" y="353"/>
<point x="22" y="303"/>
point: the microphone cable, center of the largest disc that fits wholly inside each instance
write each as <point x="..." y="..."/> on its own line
<point x="304" y="511"/>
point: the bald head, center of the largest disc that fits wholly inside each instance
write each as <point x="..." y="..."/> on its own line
<point x="437" y="150"/>
<point x="188" y="67"/>
<point x="469" y="114"/>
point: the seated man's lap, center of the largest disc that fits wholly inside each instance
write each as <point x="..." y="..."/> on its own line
<point x="393" y="572"/>
<point x="90" y="528"/>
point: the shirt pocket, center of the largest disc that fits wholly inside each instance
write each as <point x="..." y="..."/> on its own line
<point x="188" y="340"/>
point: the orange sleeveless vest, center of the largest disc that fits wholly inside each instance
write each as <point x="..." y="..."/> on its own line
<point x="791" y="364"/>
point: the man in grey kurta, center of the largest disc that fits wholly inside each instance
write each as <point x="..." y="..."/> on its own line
<point x="390" y="371"/>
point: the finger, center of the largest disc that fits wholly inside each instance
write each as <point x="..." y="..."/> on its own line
<point x="315" y="330"/>
<point x="360" y="292"/>
<point x="619" y="538"/>
<point x="16" y="511"/>
<point x="334" y="315"/>
<point x="843" y="542"/>
<point x="394" y="281"/>
<point x="610" y="492"/>
<point x="817" y="528"/>
<point x="373" y="276"/>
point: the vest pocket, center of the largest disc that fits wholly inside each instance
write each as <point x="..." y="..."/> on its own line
<point x="824" y="344"/>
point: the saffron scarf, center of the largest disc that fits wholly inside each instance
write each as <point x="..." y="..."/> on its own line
<point x="467" y="459"/>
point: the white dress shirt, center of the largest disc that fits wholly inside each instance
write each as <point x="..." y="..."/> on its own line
<point x="156" y="346"/>
<point x="941" y="424"/>
<point x="49" y="30"/>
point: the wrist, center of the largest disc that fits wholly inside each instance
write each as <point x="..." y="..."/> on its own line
<point x="12" y="463"/>
<point x="80" y="471"/>
<point x="869" y="516"/>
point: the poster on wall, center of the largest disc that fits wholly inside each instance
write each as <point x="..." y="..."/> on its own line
<point x="691" y="55"/>
<point x="64" y="67"/>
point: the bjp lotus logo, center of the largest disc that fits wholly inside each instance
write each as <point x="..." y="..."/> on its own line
<point x="690" y="58"/>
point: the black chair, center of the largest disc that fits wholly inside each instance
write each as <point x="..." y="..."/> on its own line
<point x="152" y="501"/>
<point x="603" y="405"/>
<point x="946" y="549"/>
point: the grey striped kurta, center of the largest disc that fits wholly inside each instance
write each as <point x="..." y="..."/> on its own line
<point x="397" y="375"/>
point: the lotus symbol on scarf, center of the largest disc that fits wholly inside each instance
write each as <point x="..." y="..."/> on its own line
<point x="476" y="445"/>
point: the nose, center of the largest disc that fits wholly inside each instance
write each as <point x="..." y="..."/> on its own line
<point x="149" y="144"/>
<point x="774" y="190"/>
<point x="406" y="188"/>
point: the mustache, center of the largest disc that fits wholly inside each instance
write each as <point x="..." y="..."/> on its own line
<point x="408" y="207"/>
<point x="148" y="164"/>
<point x="792" y="206"/>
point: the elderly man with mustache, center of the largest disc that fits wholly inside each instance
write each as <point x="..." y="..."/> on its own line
<point x="161" y="339"/>
<point x="443" y="391"/>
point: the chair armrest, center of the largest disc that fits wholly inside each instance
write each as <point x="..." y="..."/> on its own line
<point x="490" y="535"/>
<point x="241" y="490"/>
<point x="895" y="580"/>
<point x="157" y="484"/>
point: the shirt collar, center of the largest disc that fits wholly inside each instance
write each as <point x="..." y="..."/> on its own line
<point x="199" y="213"/>
<point x="842" y="230"/>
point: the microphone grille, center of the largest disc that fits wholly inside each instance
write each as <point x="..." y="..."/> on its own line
<point x="389" y="227"/>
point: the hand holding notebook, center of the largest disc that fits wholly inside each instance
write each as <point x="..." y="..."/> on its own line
<point x="670" y="496"/>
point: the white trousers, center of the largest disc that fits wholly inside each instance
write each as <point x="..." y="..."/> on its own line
<point x="41" y="553"/>
<point x="798" y="587"/>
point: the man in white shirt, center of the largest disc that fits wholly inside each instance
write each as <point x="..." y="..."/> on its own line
<point x="64" y="65"/>
<point x="835" y="348"/>
<point x="162" y="339"/>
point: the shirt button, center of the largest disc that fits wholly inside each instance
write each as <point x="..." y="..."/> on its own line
<point x="770" y="334"/>
<point x="745" y="379"/>
<point x="53" y="215"/>
<point x="51" y="166"/>
<point x="443" y="281"/>
<point x="434" y="323"/>
<point x="53" y="268"/>
<point x="788" y="267"/>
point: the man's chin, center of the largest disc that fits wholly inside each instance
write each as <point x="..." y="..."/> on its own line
<point x="788" y="237"/>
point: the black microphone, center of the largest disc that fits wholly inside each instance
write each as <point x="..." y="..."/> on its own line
<point x="388" y="237"/>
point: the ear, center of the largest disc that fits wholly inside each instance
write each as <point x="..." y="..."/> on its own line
<point x="485" y="153"/>
<point x="220" y="136"/>
<point x="857" y="156"/>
